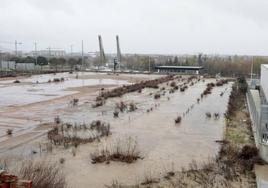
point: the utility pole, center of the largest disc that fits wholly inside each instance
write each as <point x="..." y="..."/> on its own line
<point x="149" y="65"/>
<point x="251" y="72"/>
<point x="16" y="47"/>
<point x="35" y="52"/>
<point x="82" y="54"/>
<point x="71" y="50"/>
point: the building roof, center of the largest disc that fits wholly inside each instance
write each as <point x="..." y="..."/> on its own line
<point x="180" y="67"/>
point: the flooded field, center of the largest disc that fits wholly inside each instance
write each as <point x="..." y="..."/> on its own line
<point x="29" y="109"/>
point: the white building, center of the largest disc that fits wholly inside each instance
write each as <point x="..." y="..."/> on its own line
<point x="7" y="65"/>
<point x="264" y="79"/>
<point x="257" y="98"/>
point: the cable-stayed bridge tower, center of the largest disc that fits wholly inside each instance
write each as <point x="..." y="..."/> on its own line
<point x="102" y="54"/>
<point x="118" y="51"/>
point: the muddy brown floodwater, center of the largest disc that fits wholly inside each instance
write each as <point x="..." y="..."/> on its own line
<point x="163" y="144"/>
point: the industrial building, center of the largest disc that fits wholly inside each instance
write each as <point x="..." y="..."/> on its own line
<point x="257" y="97"/>
<point x="179" y="69"/>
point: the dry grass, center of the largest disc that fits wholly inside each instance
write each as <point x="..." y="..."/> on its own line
<point x="75" y="134"/>
<point x="43" y="174"/>
<point x="125" y="150"/>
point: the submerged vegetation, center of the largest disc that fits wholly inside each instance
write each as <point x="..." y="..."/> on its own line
<point x="72" y="134"/>
<point x="44" y="174"/>
<point x="118" y="92"/>
<point x="125" y="150"/>
<point x="233" y="167"/>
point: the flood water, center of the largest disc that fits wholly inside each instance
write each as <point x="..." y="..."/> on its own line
<point x="164" y="145"/>
<point x="37" y="88"/>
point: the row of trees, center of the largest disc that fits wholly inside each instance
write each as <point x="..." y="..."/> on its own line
<point x="141" y="63"/>
<point x="226" y="66"/>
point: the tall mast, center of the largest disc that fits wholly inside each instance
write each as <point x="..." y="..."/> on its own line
<point x="102" y="54"/>
<point x="118" y="51"/>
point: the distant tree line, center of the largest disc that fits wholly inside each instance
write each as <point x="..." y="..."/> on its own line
<point x="53" y="62"/>
<point x="225" y="65"/>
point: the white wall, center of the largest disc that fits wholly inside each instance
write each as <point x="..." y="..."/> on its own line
<point x="7" y="65"/>
<point x="264" y="79"/>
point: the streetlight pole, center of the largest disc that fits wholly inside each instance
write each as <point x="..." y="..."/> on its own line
<point x="82" y="54"/>
<point x="35" y="52"/>
<point x="71" y="50"/>
<point x="16" y="47"/>
<point x="149" y="64"/>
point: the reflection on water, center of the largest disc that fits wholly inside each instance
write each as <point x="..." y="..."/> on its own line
<point x="21" y="94"/>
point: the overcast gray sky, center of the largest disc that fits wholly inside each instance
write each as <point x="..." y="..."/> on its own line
<point x="144" y="26"/>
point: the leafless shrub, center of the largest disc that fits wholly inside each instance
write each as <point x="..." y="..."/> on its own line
<point x="56" y="80"/>
<point x="115" y="184"/>
<point x="169" y="175"/>
<point x="178" y="119"/>
<point x="122" y="150"/>
<point x="171" y="90"/>
<point x="74" y="135"/>
<point x="208" y="115"/>
<point x="216" y="116"/>
<point x="9" y="131"/>
<point x="148" y="179"/>
<point x="118" y="92"/>
<point x="116" y="114"/>
<point x="221" y="82"/>
<point x="43" y="174"/>
<point x="74" y="102"/>
<point x="248" y="152"/>
<point x="62" y="160"/>
<point x="157" y="96"/>
<point x="183" y="88"/>
<point x="176" y="87"/>
<point x="173" y="84"/>
<point x="57" y="120"/>
<point x="121" y="106"/>
<point x="132" y="107"/>
<point x="98" y="103"/>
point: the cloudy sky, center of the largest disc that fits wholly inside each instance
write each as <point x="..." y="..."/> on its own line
<point x="144" y="26"/>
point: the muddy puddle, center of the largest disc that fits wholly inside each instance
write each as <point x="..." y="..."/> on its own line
<point x="164" y="145"/>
